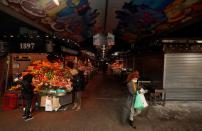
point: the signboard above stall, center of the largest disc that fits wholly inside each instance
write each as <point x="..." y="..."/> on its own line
<point x="27" y="45"/>
<point x="182" y="45"/>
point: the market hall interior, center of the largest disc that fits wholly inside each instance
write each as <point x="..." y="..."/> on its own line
<point x="101" y="108"/>
<point x="161" y="38"/>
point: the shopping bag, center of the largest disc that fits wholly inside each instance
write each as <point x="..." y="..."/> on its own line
<point x="56" y="103"/>
<point x="138" y="102"/>
<point x="43" y="101"/>
<point x="145" y="104"/>
<point x="48" y="104"/>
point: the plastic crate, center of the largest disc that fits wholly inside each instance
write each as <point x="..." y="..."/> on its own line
<point x="9" y="101"/>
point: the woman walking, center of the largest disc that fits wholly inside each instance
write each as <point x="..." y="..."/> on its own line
<point x="132" y="86"/>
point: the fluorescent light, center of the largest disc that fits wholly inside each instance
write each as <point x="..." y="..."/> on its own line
<point x="56" y="2"/>
<point x="198" y="41"/>
<point x="167" y="41"/>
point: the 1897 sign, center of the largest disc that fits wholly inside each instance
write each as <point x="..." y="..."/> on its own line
<point x="27" y="46"/>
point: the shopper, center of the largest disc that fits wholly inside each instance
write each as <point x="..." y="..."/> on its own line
<point x="104" y="67"/>
<point x="77" y="83"/>
<point x="78" y="87"/>
<point x="132" y="86"/>
<point x="27" y="91"/>
<point x="72" y="67"/>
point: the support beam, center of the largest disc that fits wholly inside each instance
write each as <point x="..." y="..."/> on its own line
<point x="106" y="12"/>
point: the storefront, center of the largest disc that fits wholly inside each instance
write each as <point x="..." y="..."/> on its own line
<point x="182" y="70"/>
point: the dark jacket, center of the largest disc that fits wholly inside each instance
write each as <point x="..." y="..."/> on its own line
<point x="78" y="82"/>
<point x="131" y="94"/>
<point x="27" y="87"/>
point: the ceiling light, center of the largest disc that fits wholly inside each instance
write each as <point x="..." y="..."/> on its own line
<point x="167" y="41"/>
<point x="56" y="2"/>
<point x="198" y="41"/>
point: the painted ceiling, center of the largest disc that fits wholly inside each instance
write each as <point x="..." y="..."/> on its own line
<point x="72" y="19"/>
<point x="141" y="18"/>
<point x="129" y="19"/>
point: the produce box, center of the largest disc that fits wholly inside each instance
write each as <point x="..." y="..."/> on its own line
<point x="9" y="101"/>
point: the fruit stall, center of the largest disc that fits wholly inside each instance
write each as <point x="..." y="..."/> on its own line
<point x="52" y="80"/>
<point x="116" y="67"/>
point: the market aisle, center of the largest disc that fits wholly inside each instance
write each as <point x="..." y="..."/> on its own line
<point x="101" y="111"/>
<point x="104" y="86"/>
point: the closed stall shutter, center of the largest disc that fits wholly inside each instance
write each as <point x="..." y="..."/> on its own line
<point x="183" y="76"/>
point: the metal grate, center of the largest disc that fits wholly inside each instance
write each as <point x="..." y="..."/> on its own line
<point x="183" y="76"/>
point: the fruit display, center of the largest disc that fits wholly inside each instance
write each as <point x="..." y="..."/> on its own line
<point x="50" y="76"/>
<point x="55" y="77"/>
<point x="86" y="67"/>
<point x="14" y="88"/>
<point x="117" y="67"/>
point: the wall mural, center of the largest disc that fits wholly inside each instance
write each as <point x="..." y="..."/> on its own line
<point x="147" y="17"/>
<point x="72" y="19"/>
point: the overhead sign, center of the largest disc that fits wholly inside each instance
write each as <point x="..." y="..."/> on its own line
<point x="27" y="45"/>
<point x="102" y="39"/>
<point x="99" y="39"/>
<point x="110" y="39"/>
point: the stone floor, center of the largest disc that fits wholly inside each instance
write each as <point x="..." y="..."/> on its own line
<point x="101" y="111"/>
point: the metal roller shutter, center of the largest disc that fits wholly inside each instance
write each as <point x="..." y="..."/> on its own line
<point x="183" y="76"/>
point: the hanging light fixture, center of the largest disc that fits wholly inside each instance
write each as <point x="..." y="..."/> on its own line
<point x="56" y="2"/>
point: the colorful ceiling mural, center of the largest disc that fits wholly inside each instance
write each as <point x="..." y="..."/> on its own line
<point x="77" y="19"/>
<point x="140" y="18"/>
<point x="73" y="19"/>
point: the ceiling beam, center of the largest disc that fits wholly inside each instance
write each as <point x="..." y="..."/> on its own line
<point x="106" y="12"/>
<point x="19" y="16"/>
